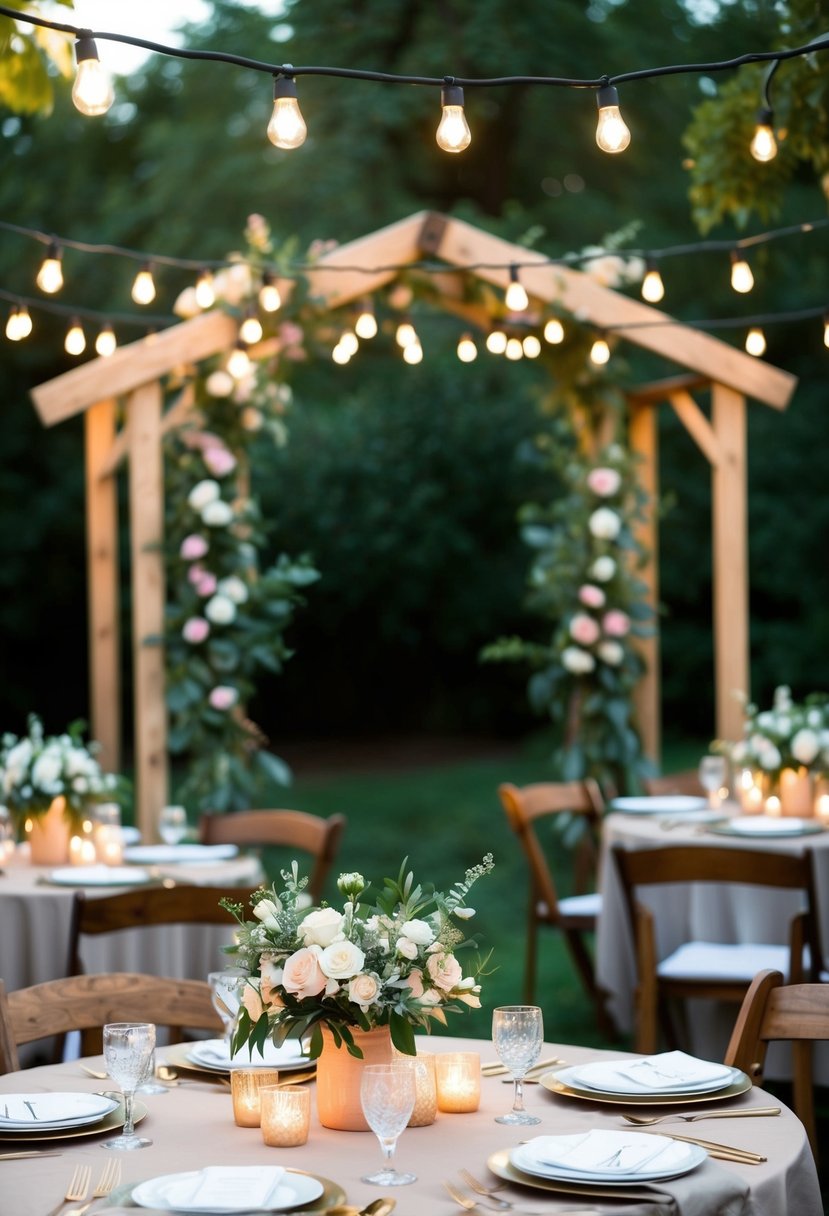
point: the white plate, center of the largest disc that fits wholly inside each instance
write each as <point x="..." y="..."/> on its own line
<point x="214" y="1054"/>
<point x="293" y="1190"/>
<point x="51" y="1112"/>
<point x="98" y="876"/>
<point x="581" y="1078"/>
<point x="179" y="854"/>
<point x="764" y="825"/>
<point x="659" y="804"/>
<point x="680" y="1159"/>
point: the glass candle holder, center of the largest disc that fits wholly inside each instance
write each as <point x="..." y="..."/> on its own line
<point x="458" y="1081"/>
<point x="245" y="1086"/>
<point x="426" y="1090"/>
<point x="286" y="1115"/>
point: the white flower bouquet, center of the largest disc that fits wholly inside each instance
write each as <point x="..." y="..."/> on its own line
<point x="789" y="735"/>
<point x="390" y="962"/>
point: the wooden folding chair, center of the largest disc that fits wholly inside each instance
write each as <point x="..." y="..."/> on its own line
<point x="574" y="915"/>
<point x="311" y="834"/>
<point x="87" y="1002"/>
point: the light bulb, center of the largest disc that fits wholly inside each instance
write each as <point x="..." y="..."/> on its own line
<point x="12" y="325"/>
<point x="742" y="279"/>
<point x="92" y="91"/>
<point x="287" y="127"/>
<point x="143" y="289"/>
<point x="496" y="342"/>
<point x="269" y="298"/>
<point x="105" y="343"/>
<point x="554" y="332"/>
<point x="826" y="330"/>
<point x="238" y="363"/>
<point x="339" y="355"/>
<point x="599" y="352"/>
<point x="514" y="349"/>
<point x="531" y="346"/>
<point x="349" y="343"/>
<point x="653" y="289"/>
<point x="467" y="350"/>
<point x="205" y="291"/>
<point x="516" y="298"/>
<point x="50" y="275"/>
<point x="756" y="341"/>
<point x="612" y="134"/>
<point x="413" y="353"/>
<point x="250" y="330"/>
<point x="406" y="334"/>
<point x="453" y="134"/>
<point x="763" y="145"/>
<point x="75" y="343"/>
<point x="24" y="322"/>
<point x="366" y="324"/>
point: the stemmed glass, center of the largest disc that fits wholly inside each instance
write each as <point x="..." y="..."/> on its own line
<point x="172" y="824"/>
<point x="226" y="988"/>
<point x="517" y="1034"/>
<point x="128" y="1048"/>
<point x="387" y="1096"/>
<point x="713" y="775"/>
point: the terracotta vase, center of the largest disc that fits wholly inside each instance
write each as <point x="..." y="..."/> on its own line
<point x="49" y="837"/>
<point x="796" y="793"/>
<point x="339" y="1074"/>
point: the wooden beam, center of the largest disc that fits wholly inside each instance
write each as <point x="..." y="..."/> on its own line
<point x="463" y="244"/>
<point x="660" y="390"/>
<point x="371" y="256"/>
<point x="147" y="528"/>
<point x="175" y="416"/>
<point x="730" y="559"/>
<point x="643" y="438"/>
<point x="697" y="426"/>
<point x="130" y="366"/>
<point x="102" y="586"/>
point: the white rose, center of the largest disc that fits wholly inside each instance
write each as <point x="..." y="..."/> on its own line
<point x="766" y="720"/>
<point x="770" y="758"/>
<point x="611" y="653"/>
<point x="219" y="384"/>
<point x="217" y="514"/>
<point x="341" y="960"/>
<point x="46" y="769"/>
<point x="322" y="927"/>
<point x="220" y="610"/>
<point x="418" y="931"/>
<point x="234" y="588"/>
<point x="364" y="990"/>
<point x="406" y="947"/>
<point x="739" y="752"/>
<point x="267" y="911"/>
<point x="603" y="569"/>
<point x="252" y="418"/>
<point x="577" y="661"/>
<point x="814" y="718"/>
<point x="805" y="746"/>
<point x="203" y="492"/>
<point x="604" y="524"/>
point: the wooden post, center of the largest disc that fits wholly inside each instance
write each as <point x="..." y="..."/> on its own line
<point x="730" y="556"/>
<point x="102" y="586"/>
<point x="643" y="438"/>
<point x="147" y="529"/>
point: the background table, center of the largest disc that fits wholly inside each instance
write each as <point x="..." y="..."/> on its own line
<point x="192" y="1126"/>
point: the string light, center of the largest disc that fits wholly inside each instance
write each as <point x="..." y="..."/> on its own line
<point x="453" y="134"/>
<point x="366" y="324"/>
<point x="514" y="350"/>
<point x="413" y="351"/>
<point x="756" y="342"/>
<point x="238" y="363"/>
<point x="531" y="346"/>
<point x="516" y="298"/>
<point x="205" y="290"/>
<point x="653" y="289"/>
<point x="340" y="355"/>
<point x="554" y="331"/>
<point x="143" y="289"/>
<point x="496" y="342"/>
<point x="349" y="343"/>
<point x="287" y="127"/>
<point x="742" y="279"/>
<point x="467" y="350"/>
<point x="406" y="334"/>
<point x="105" y="343"/>
<point x="826" y="329"/>
<point x="269" y="298"/>
<point x="763" y="145"/>
<point x="250" y="331"/>
<point x="600" y="352"/>
<point x="92" y="91"/>
<point x="50" y="276"/>
<point x="75" y="341"/>
<point x="612" y="132"/>
<point x="19" y="324"/>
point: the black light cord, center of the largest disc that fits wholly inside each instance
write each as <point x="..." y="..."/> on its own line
<point x="91" y="314"/>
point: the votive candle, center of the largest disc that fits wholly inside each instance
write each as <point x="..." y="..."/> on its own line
<point x="245" y="1086"/>
<point x="109" y="846"/>
<point x="458" y="1081"/>
<point x="286" y="1115"/>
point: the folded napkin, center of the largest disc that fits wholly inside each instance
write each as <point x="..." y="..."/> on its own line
<point x="620" y="1153"/>
<point x="216" y="1053"/>
<point x="231" y="1188"/>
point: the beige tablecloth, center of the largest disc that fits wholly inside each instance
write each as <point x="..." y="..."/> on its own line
<point x="192" y="1126"/>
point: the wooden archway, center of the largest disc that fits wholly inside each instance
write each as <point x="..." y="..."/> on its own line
<point x="134" y="375"/>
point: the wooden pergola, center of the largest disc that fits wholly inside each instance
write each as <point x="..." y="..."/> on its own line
<point x="133" y="377"/>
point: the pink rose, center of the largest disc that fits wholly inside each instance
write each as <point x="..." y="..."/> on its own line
<point x="302" y="975"/>
<point x="252" y="1000"/>
<point x="223" y="696"/>
<point x="193" y="547"/>
<point x="195" y="630"/>
<point x="196" y="573"/>
<point x="219" y="461"/>
<point x="604" y="482"/>
<point x="616" y="623"/>
<point x="444" y="971"/>
<point x="592" y="597"/>
<point x="583" y="629"/>
<point x="206" y="584"/>
<point x="415" y="982"/>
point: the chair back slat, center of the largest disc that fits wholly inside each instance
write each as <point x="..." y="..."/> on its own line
<point x="289" y="829"/>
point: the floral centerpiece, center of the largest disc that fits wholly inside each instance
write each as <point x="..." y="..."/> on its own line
<point x="789" y="735"/>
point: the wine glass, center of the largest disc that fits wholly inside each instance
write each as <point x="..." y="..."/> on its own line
<point x="172" y="824"/>
<point x="713" y="776"/>
<point x="149" y="1083"/>
<point x="128" y="1048"/>
<point x="226" y="988"/>
<point x="518" y="1033"/>
<point x="387" y="1096"/>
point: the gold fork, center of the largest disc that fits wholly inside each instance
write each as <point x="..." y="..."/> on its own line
<point x="106" y="1184"/>
<point x="489" y="1191"/>
<point x="77" y="1188"/>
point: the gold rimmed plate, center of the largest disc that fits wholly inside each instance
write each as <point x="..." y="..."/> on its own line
<point x="552" y="1082"/>
<point x="332" y="1195"/>
<point x="178" y="1056"/>
<point x="110" y="1122"/>
<point x="500" y="1165"/>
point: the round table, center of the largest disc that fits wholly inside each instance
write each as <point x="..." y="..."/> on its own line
<point x="192" y="1126"/>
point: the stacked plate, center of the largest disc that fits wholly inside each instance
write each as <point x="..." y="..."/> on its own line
<point x="768" y="827"/>
<point x="98" y="876"/>
<point x="670" y="1077"/>
<point x="44" y="1112"/>
<point x="661" y="804"/>
<point x="616" y="1158"/>
<point x="179" y="854"/>
<point x="213" y="1055"/>
<point x="229" y="1189"/>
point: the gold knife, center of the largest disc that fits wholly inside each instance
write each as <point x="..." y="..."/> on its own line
<point x="743" y="1154"/>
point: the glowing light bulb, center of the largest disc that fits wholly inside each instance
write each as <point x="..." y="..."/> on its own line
<point x="756" y="341"/>
<point x="75" y="342"/>
<point x="612" y="133"/>
<point x="349" y="342"/>
<point x="205" y="291"/>
<point x="413" y="353"/>
<point x="92" y="91"/>
<point x="339" y="355"/>
<point x="406" y="334"/>
<point x="653" y="289"/>
<point x="105" y="343"/>
<point x="12" y="325"/>
<point x="742" y="279"/>
<point x="514" y="349"/>
<point x="467" y="350"/>
<point x="143" y="289"/>
<point x="826" y="330"/>
<point x="366" y="324"/>
<point x="269" y="298"/>
<point x="599" y="352"/>
<point x="453" y="134"/>
<point x="496" y="342"/>
<point x="763" y="146"/>
<point x="554" y="331"/>
<point x="50" y="275"/>
<point x="238" y="363"/>
<point x="250" y="330"/>
<point x="287" y="127"/>
<point x="516" y="298"/>
<point x="531" y="346"/>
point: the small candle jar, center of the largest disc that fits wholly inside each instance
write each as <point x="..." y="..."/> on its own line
<point x="426" y="1091"/>
<point x="245" y="1086"/>
<point x="109" y="845"/>
<point x="286" y="1115"/>
<point x="458" y="1081"/>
